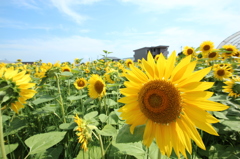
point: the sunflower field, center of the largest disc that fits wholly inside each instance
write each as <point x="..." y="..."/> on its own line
<point x="186" y="105"/>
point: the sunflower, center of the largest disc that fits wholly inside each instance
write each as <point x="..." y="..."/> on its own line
<point x="19" y="60"/>
<point x="227" y="66"/>
<point x="139" y="61"/>
<point x="80" y="83"/>
<point x="83" y="132"/>
<point x="111" y="76"/>
<point x="188" y="51"/>
<point x="96" y="87"/>
<point x="206" y="47"/>
<point x="221" y="73"/>
<point x="212" y="55"/>
<point x="66" y="69"/>
<point x="16" y="87"/>
<point x="231" y="50"/>
<point x="171" y="102"/>
<point x="129" y="62"/>
<point x="233" y="87"/>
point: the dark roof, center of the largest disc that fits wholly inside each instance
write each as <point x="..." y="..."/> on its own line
<point x="159" y="46"/>
<point x="113" y="58"/>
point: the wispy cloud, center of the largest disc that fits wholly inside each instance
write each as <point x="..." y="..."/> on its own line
<point x="30" y="4"/>
<point x="66" y="7"/>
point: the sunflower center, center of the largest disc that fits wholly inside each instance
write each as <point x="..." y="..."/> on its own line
<point x="212" y="55"/>
<point x="160" y="101"/>
<point x="206" y="47"/>
<point x="81" y="83"/>
<point x="221" y="72"/>
<point x="66" y="70"/>
<point x="229" y="49"/>
<point x="98" y="87"/>
<point x="189" y="51"/>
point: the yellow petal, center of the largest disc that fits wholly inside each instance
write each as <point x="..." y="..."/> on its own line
<point x="197" y="95"/>
<point x="170" y="65"/>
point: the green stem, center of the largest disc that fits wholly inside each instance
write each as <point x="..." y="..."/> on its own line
<point x="61" y="100"/>
<point x="1" y="136"/>
<point x="101" y="145"/>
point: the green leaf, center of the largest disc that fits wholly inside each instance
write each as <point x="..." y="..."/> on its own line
<point x="49" y="108"/>
<point x="5" y="118"/>
<point x="113" y="118"/>
<point x="218" y="98"/>
<point x="103" y="118"/>
<point x="72" y="98"/>
<point x="43" y="99"/>
<point x="16" y="125"/>
<point x="93" y="152"/>
<point x="133" y="149"/>
<point x="232" y="124"/>
<point x="90" y="115"/>
<point x="125" y="136"/>
<point x="68" y="74"/>
<point x="220" y="115"/>
<point x="109" y="102"/>
<point x="9" y="148"/>
<point x="50" y="153"/>
<point x="41" y="142"/>
<point x="86" y="102"/>
<point x="108" y="130"/>
<point x="68" y="126"/>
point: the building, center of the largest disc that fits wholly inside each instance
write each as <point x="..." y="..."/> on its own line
<point x="112" y="58"/>
<point x="155" y="50"/>
<point x="233" y="39"/>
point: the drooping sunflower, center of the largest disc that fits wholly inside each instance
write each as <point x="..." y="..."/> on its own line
<point x="233" y="87"/>
<point x="96" y="87"/>
<point x="16" y="87"/>
<point x="111" y="76"/>
<point x="221" y="73"/>
<point x="206" y="47"/>
<point x="80" y="83"/>
<point x="188" y="51"/>
<point x="129" y="62"/>
<point x="82" y="132"/>
<point x="171" y="102"/>
<point x="232" y="50"/>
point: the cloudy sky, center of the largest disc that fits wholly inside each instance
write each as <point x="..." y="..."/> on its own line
<point x="62" y="30"/>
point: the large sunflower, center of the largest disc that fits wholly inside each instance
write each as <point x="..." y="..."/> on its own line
<point x="171" y="102"/>
<point x="206" y="47"/>
<point x="16" y="87"/>
<point x="233" y="87"/>
<point x="96" y="87"/>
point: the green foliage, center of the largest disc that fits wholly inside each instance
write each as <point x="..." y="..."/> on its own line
<point x="42" y="142"/>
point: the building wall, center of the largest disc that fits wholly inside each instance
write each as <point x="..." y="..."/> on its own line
<point x="142" y="53"/>
<point x="139" y="54"/>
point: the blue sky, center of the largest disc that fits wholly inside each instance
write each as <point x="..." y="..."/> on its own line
<point x="62" y="30"/>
